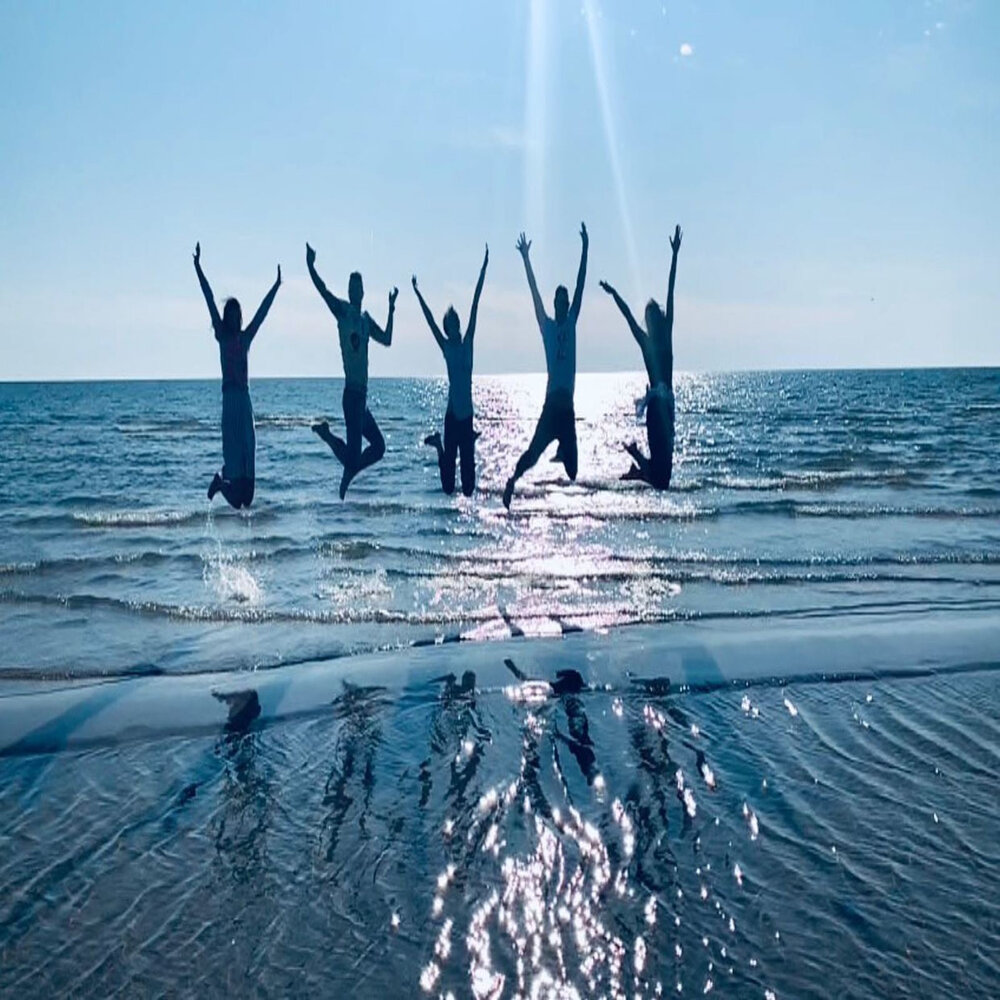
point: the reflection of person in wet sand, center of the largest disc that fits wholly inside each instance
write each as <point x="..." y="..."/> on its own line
<point x="355" y="328"/>
<point x="459" y="435"/>
<point x="656" y="344"/>
<point x="239" y="443"/>
<point x="246" y="804"/>
<point x="558" y="419"/>
<point x="354" y="754"/>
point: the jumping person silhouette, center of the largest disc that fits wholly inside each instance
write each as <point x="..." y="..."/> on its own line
<point x="459" y="435"/>
<point x="239" y="442"/>
<point x="656" y="344"/>
<point x="354" y="328"/>
<point x="557" y="420"/>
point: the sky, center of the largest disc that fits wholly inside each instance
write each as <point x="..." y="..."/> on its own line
<point x="834" y="167"/>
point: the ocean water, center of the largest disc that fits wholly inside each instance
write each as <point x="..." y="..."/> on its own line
<point x="741" y="738"/>
<point x="816" y="493"/>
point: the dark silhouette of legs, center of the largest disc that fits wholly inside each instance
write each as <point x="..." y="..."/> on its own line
<point x="539" y="443"/>
<point x="360" y="425"/>
<point x="557" y="421"/>
<point x="357" y="459"/>
<point x="459" y="439"/>
<point x="567" y="451"/>
<point x="448" y="454"/>
<point x="657" y="469"/>
<point x="640" y="469"/>
<point x="238" y="492"/>
<point x="235" y="480"/>
<point x="337" y="444"/>
<point x="467" y="450"/>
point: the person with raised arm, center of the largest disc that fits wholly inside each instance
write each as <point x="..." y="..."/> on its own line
<point x="355" y="328"/>
<point x="239" y="442"/>
<point x="657" y="346"/>
<point x="557" y="421"/>
<point x="459" y="435"/>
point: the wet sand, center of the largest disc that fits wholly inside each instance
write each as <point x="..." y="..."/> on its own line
<point x="805" y="809"/>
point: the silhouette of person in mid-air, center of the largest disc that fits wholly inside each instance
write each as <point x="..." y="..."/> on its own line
<point x="459" y="435"/>
<point x="355" y="328"/>
<point x="239" y="442"/>
<point x="656" y="344"/>
<point x="557" y="420"/>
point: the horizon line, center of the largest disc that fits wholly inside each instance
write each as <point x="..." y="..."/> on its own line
<point x="532" y="374"/>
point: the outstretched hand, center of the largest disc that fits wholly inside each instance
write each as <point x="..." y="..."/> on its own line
<point x="413" y="281"/>
<point x="523" y="245"/>
<point x="608" y="288"/>
<point x="675" y="240"/>
<point x="486" y="256"/>
<point x="583" y="233"/>
<point x="392" y="297"/>
<point x="278" y="282"/>
<point x="310" y="256"/>
<point x="197" y="253"/>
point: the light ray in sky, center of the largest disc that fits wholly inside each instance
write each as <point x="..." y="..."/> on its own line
<point x="610" y="134"/>
<point x="536" y="116"/>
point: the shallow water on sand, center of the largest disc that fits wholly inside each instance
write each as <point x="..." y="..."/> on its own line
<point x="530" y="839"/>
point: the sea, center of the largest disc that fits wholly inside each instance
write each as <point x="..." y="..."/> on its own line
<point x="741" y="737"/>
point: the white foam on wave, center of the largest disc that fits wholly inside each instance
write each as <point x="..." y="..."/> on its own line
<point x="131" y="518"/>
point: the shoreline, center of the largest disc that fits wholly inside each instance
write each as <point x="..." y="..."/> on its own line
<point x="680" y="658"/>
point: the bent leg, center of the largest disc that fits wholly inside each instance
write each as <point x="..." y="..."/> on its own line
<point x="634" y="472"/>
<point x="544" y="435"/>
<point x="376" y="446"/>
<point x="336" y="444"/>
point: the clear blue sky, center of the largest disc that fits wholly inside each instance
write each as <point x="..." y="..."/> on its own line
<point x="834" y="165"/>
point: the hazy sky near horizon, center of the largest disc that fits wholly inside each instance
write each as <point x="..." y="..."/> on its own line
<point x="834" y="165"/>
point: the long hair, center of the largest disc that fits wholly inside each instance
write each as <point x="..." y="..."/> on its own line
<point x="656" y="318"/>
<point x="232" y="316"/>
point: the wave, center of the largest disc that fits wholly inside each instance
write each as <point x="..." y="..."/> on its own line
<point x="283" y="421"/>
<point x="136" y="518"/>
<point x="443" y="518"/>
<point x="252" y="613"/>
<point x="179" y="425"/>
<point x="678" y="566"/>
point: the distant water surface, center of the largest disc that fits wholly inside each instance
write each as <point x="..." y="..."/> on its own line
<point x="795" y="493"/>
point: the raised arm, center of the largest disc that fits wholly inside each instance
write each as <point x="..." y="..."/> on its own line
<point x="523" y="248"/>
<point x="474" y="311"/>
<point x="206" y="290"/>
<point x="637" y="331"/>
<point x="428" y="315"/>
<point x="335" y="305"/>
<point x="675" y="246"/>
<point x="581" y="276"/>
<point x="260" y="315"/>
<point x="384" y="337"/>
